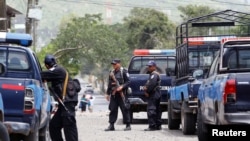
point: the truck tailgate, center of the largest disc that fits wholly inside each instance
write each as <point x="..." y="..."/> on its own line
<point x="242" y="92"/>
<point x="243" y="87"/>
<point x="13" y="91"/>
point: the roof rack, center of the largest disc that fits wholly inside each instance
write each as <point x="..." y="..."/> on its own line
<point x="225" y="23"/>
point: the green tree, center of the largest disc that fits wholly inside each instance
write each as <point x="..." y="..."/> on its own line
<point x="193" y="11"/>
<point x="149" y="28"/>
<point x="87" y="45"/>
<point x="243" y="25"/>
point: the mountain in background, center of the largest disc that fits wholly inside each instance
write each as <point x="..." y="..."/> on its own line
<point x="114" y="11"/>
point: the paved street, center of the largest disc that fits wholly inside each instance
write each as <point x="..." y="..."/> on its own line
<point x="91" y="127"/>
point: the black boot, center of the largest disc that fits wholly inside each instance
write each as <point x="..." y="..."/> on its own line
<point x="158" y="127"/>
<point x="128" y="127"/>
<point x="150" y="128"/>
<point x="110" y="128"/>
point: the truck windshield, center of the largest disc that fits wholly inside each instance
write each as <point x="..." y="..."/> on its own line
<point x="202" y="56"/>
<point x="138" y="64"/>
<point x="200" y="59"/>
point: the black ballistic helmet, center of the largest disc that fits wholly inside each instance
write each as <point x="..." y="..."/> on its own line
<point x="50" y="60"/>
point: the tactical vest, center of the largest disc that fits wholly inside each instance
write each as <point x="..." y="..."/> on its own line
<point x="119" y="76"/>
<point x="157" y="87"/>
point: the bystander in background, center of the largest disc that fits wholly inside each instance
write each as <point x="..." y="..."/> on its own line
<point x="83" y="103"/>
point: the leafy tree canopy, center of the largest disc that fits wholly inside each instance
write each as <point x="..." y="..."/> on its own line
<point x="193" y="11"/>
<point x="87" y="43"/>
<point x="149" y="28"/>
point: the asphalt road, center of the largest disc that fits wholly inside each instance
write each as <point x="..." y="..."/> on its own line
<point x="91" y="126"/>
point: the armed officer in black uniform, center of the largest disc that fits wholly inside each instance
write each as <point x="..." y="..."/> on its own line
<point x="118" y="83"/>
<point x="153" y="93"/>
<point x="62" y="118"/>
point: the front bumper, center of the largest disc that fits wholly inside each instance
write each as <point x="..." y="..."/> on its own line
<point x="138" y="105"/>
<point x="136" y="101"/>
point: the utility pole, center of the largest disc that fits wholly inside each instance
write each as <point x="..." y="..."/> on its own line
<point x="28" y="24"/>
<point x="3" y="16"/>
<point x="35" y="23"/>
<point x="32" y="18"/>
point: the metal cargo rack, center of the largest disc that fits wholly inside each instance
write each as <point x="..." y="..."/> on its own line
<point x="227" y="23"/>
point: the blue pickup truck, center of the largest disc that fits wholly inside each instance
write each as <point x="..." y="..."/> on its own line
<point x="138" y="75"/>
<point x="197" y="42"/>
<point x="26" y="99"/>
<point x="223" y="97"/>
<point x="182" y="100"/>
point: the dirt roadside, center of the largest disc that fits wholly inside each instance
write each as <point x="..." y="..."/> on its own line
<point x="91" y="128"/>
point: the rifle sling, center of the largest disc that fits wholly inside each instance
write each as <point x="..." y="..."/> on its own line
<point x="65" y="84"/>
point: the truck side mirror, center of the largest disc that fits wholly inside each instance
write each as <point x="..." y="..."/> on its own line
<point x="198" y="74"/>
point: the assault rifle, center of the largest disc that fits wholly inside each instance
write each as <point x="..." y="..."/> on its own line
<point x="59" y="99"/>
<point x="116" y="83"/>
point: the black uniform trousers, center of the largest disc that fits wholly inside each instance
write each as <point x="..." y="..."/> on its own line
<point x="115" y="102"/>
<point x="67" y="122"/>
<point x="154" y="112"/>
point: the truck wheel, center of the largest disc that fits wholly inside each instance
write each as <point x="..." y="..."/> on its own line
<point x="188" y="121"/>
<point x="44" y="132"/>
<point x="173" y="124"/>
<point x="4" y="135"/>
<point x="202" y="130"/>
<point x="16" y="137"/>
<point x="33" y="136"/>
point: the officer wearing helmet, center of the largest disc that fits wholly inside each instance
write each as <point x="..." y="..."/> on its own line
<point x="56" y="74"/>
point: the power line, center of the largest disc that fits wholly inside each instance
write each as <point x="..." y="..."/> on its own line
<point x="111" y="3"/>
<point x="231" y="3"/>
<point x="126" y="4"/>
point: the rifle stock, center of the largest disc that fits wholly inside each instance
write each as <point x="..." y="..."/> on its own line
<point x="116" y="86"/>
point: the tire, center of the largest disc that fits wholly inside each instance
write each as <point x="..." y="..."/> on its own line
<point x="44" y="132"/>
<point x="33" y="136"/>
<point x="16" y="137"/>
<point x="202" y="129"/>
<point x="188" y="121"/>
<point x="4" y="135"/>
<point x="173" y="124"/>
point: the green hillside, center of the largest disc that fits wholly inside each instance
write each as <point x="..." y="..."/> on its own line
<point x="115" y="10"/>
